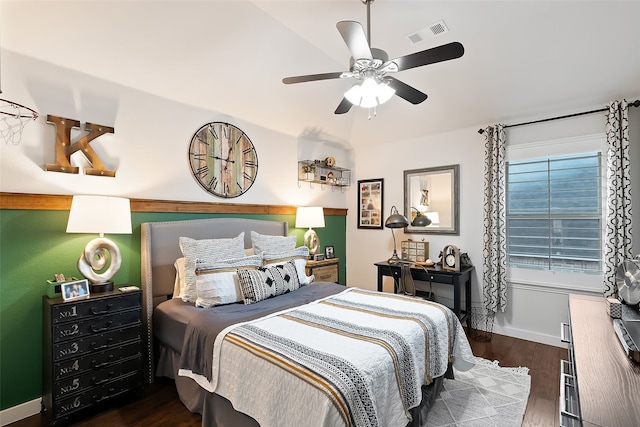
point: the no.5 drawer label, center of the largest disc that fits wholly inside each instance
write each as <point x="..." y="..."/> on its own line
<point x="72" y="385"/>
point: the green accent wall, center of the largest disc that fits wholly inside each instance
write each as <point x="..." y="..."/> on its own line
<point x="34" y="246"/>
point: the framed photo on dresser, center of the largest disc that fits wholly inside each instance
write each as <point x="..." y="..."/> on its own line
<point x="370" y="203"/>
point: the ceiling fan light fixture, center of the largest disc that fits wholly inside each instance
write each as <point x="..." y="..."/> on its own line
<point x="370" y="93"/>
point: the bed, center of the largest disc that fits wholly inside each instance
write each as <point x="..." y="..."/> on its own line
<point x="262" y="356"/>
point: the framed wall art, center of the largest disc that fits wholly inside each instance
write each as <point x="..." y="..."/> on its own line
<point x="370" y="203"/>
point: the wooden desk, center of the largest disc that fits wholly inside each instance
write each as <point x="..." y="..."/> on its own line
<point x="458" y="279"/>
<point x="608" y="381"/>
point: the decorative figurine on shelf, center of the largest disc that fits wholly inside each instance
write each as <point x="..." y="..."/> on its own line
<point x="309" y="171"/>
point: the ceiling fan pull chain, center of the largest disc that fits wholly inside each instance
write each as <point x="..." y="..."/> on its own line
<point x="375" y="112"/>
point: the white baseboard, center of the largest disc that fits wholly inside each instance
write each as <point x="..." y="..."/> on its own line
<point x="529" y="336"/>
<point x="20" y="412"/>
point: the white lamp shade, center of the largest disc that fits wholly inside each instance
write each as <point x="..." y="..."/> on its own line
<point x="369" y="93"/>
<point x="99" y="214"/>
<point x="308" y="217"/>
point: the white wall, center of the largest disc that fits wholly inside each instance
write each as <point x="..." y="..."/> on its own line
<point x="149" y="153"/>
<point x="149" y="147"/>
<point x="535" y="309"/>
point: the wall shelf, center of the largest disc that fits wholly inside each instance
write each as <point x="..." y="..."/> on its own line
<point x="323" y="174"/>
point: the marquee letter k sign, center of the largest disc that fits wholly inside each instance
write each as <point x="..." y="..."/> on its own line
<point x="64" y="147"/>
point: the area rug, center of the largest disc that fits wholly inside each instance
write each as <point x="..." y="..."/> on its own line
<point x="486" y="395"/>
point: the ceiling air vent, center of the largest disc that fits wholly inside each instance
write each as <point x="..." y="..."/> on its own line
<point x="428" y="32"/>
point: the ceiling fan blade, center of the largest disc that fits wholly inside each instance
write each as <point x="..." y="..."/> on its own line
<point x="406" y="92"/>
<point x="344" y="106"/>
<point x="311" y="78"/>
<point x="355" y="38"/>
<point x="430" y="56"/>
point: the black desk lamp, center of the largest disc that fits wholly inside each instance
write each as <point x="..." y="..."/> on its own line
<point x="395" y="220"/>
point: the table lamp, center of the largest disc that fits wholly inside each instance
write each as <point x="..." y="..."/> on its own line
<point x="434" y="217"/>
<point x="395" y="220"/>
<point x="420" y="220"/>
<point x="312" y="216"/>
<point x="100" y="214"/>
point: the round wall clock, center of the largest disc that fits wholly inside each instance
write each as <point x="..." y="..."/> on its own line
<point x="223" y="159"/>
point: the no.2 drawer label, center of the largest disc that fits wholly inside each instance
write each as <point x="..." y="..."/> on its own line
<point x="70" y="330"/>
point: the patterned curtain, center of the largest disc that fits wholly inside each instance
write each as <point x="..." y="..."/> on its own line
<point x="494" y="264"/>
<point x="617" y="241"/>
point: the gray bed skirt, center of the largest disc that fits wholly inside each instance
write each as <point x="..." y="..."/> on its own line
<point x="217" y="411"/>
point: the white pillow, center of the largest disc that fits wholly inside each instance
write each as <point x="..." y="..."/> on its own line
<point x="212" y="250"/>
<point x="263" y="283"/>
<point x="217" y="282"/>
<point x="178" y="286"/>
<point x="299" y="256"/>
<point x="267" y="243"/>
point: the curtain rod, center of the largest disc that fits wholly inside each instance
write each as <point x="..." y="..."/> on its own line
<point x="635" y="103"/>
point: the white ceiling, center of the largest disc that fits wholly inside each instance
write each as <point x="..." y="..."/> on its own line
<point x="523" y="59"/>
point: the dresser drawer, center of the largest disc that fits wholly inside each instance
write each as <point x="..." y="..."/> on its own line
<point x="95" y="307"/>
<point x="93" y="396"/>
<point x="90" y="326"/>
<point x="327" y="273"/>
<point x="99" y="360"/>
<point x="88" y="344"/>
<point x="83" y="382"/>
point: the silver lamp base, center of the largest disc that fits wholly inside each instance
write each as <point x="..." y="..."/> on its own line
<point x="99" y="288"/>
<point x="312" y="241"/>
<point x="95" y="257"/>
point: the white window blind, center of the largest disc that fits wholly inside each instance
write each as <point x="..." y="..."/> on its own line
<point x="554" y="213"/>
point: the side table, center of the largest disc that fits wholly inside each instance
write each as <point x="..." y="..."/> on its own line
<point x="325" y="270"/>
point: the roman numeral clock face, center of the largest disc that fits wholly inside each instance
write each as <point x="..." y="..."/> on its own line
<point x="223" y="159"/>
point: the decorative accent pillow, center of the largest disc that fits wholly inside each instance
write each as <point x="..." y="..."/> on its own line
<point x="267" y="282"/>
<point x="299" y="256"/>
<point x="212" y="250"/>
<point x="217" y="282"/>
<point x="178" y="286"/>
<point x="266" y="243"/>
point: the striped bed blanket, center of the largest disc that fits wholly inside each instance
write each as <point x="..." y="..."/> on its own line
<point x="358" y="358"/>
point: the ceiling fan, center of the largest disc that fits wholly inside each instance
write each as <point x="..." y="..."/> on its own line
<point x="371" y="66"/>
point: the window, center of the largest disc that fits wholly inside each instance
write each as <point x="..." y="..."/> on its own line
<point x="554" y="213"/>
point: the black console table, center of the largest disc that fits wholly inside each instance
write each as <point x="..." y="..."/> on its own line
<point x="435" y="274"/>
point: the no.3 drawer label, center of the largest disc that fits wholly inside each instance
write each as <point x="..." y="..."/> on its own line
<point x="71" y="348"/>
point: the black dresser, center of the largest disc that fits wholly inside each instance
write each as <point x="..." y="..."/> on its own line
<point x="92" y="352"/>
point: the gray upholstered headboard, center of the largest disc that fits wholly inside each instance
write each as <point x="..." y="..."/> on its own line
<point x="160" y="249"/>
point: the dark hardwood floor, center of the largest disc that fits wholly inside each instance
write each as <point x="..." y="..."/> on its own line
<point x="162" y="407"/>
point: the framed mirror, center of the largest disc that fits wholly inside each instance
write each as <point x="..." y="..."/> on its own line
<point x="431" y="200"/>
